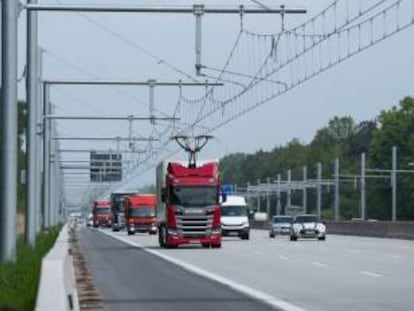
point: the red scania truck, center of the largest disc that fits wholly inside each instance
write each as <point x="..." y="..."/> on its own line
<point x="140" y="213"/>
<point x="101" y="213"/>
<point x="188" y="210"/>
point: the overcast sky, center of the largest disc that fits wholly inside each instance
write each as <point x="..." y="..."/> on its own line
<point x="78" y="48"/>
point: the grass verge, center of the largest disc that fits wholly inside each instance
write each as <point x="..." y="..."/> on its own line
<point x="19" y="281"/>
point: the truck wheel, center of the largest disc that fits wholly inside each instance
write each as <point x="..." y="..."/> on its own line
<point x="271" y="235"/>
<point x="130" y="232"/>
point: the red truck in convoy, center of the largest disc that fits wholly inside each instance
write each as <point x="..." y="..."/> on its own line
<point x="101" y="214"/>
<point x="140" y="213"/>
<point x="188" y="209"/>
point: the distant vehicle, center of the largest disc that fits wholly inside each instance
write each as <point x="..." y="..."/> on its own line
<point x="307" y="226"/>
<point x="140" y="213"/>
<point x="101" y="212"/>
<point x="234" y="220"/>
<point x="280" y="225"/>
<point x="89" y="221"/>
<point x="117" y="208"/>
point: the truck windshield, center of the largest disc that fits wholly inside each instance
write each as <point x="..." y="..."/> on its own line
<point x="141" y="212"/>
<point x="233" y="211"/>
<point x="188" y="196"/>
<point x="102" y="211"/>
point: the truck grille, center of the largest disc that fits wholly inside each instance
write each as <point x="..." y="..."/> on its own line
<point x="195" y="225"/>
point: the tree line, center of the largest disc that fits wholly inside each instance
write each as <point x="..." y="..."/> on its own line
<point x="345" y="139"/>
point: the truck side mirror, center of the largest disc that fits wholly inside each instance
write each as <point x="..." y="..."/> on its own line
<point x="163" y="195"/>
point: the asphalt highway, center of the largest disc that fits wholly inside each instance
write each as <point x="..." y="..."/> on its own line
<point x="129" y="278"/>
<point x="342" y="273"/>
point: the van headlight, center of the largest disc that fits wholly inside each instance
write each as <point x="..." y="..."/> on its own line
<point x="245" y="224"/>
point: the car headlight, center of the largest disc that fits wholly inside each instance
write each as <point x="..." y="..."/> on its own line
<point x="321" y="228"/>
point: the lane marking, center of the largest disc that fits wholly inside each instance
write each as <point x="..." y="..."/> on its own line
<point x="319" y="264"/>
<point x="395" y="256"/>
<point x="283" y="257"/>
<point x="258" y="253"/>
<point x="243" y="289"/>
<point x="371" y="274"/>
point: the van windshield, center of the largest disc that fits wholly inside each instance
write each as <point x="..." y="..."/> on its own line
<point x="192" y="196"/>
<point x="233" y="211"/>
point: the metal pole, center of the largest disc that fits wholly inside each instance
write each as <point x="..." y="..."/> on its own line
<point x="336" y="203"/>
<point x="39" y="150"/>
<point x="52" y="165"/>
<point x="268" y="198"/>
<point x="8" y="131"/>
<point x="394" y="183"/>
<point x="304" y="190"/>
<point x="46" y="156"/>
<point x="171" y="10"/>
<point x="198" y="12"/>
<point x="318" y="189"/>
<point x="151" y="100"/>
<point x="363" y="186"/>
<point x="258" y="195"/>
<point x="31" y="152"/>
<point x="279" y="205"/>
<point x="289" y="190"/>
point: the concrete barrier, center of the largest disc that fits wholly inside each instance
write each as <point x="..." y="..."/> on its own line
<point x="57" y="287"/>
<point x="382" y="229"/>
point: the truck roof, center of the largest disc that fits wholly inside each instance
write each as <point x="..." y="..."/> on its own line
<point x="142" y="199"/>
<point x="102" y="203"/>
<point x="209" y="169"/>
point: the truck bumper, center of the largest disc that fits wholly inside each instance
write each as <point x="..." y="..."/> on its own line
<point x="175" y="240"/>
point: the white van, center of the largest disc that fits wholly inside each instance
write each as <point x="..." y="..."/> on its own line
<point x="234" y="220"/>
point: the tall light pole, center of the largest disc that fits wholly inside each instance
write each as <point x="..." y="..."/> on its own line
<point x="8" y="130"/>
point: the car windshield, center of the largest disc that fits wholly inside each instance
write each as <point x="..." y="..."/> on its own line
<point x="188" y="196"/>
<point x="233" y="211"/>
<point x="281" y="219"/>
<point x="307" y="218"/>
<point x="141" y="212"/>
<point x="102" y="211"/>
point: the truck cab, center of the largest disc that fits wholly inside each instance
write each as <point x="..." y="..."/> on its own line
<point x="140" y="213"/>
<point x="188" y="209"/>
<point x="101" y="214"/>
<point x="117" y="207"/>
<point x="234" y="218"/>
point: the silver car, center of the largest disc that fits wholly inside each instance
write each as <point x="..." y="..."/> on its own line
<point x="280" y="225"/>
<point x="307" y="226"/>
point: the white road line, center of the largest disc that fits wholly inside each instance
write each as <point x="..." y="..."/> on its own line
<point x="246" y="290"/>
<point x="319" y="264"/>
<point x="395" y="256"/>
<point x="371" y="274"/>
<point x="283" y="257"/>
<point x="258" y="253"/>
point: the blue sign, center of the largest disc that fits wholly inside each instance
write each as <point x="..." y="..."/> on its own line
<point x="226" y="189"/>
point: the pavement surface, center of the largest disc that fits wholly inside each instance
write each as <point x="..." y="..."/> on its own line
<point x="342" y="273"/>
<point x="129" y="278"/>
